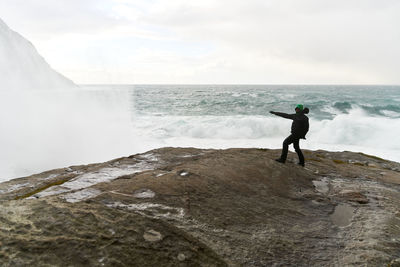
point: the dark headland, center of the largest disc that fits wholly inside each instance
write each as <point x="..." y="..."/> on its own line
<point x="200" y="207"/>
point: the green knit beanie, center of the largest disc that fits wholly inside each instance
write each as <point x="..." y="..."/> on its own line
<point x="300" y="106"/>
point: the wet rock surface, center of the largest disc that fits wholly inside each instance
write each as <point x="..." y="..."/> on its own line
<point x="196" y="207"/>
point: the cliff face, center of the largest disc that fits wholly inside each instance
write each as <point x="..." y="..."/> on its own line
<point x="22" y="68"/>
<point x="192" y="207"/>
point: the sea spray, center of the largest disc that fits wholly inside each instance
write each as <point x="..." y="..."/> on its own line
<point x="44" y="130"/>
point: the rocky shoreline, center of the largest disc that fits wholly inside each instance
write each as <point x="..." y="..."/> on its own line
<point x="200" y="207"/>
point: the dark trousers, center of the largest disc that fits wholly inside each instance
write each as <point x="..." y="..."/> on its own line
<point x="289" y="140"/>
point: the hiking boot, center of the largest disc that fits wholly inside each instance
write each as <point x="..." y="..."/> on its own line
<point x="301" y="164"/>
<point x="280" y="160"/>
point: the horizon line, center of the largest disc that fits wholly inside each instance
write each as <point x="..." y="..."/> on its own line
<point x="274" y="84"/>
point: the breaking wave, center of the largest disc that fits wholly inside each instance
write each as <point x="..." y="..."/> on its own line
<point x="355" y="130"/>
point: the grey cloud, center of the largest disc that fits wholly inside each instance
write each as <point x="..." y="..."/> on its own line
<point x="362" y="34"/>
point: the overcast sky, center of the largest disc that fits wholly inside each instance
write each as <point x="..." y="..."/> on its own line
<point x="214" y="41"/>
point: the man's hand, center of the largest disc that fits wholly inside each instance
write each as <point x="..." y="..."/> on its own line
<point x="272" y="112"/>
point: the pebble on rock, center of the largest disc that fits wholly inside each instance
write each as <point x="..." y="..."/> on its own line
<point x="152" y="236"/>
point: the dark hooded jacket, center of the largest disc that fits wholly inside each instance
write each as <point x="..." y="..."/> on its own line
<point x="300" y="123"/>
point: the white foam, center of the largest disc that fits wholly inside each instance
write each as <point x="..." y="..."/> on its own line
<point x="331" y="110"/>
<point x="391" y="114"/>
<point x="355" y="131"/>
<point x="211" y="127"/>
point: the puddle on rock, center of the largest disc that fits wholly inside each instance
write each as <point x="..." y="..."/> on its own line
<point x="322" y="185"/>
<point x="342" y="215"/>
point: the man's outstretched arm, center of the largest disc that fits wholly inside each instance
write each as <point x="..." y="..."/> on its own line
<point x="283" y="115"/>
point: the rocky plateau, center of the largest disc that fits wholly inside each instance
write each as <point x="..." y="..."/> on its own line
<point x="203" y="207"/>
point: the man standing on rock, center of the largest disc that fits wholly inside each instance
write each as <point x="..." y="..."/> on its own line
<point x="299" y="130"/>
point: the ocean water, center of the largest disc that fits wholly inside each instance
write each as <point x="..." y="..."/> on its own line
<point x="44" y="130"/>
<point x="355" y="118"/>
